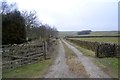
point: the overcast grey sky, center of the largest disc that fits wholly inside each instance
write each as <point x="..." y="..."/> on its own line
<point x="75" y="15"/>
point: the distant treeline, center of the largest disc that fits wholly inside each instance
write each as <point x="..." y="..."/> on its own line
<point x="84" y="32"/>
<point x="21" y="26"/>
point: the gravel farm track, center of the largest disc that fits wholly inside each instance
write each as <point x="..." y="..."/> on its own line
<point x="60" y="69"/>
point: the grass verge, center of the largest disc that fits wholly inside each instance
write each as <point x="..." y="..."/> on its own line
<point x="29" y="70"/>
<point x="75" y="66"/>
<point x="108" y="65"/>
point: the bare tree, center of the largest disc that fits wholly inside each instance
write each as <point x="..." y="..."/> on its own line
<point x="6" y="8"/>
<point x="31" y="22"/>
<point x="31" y="18"/>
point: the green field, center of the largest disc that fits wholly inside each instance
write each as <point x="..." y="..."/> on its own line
<point x="103" y="33"/>
<point x="94" y="33"/>
<point x="103" y="39"/>
<point x="67" y="33"/>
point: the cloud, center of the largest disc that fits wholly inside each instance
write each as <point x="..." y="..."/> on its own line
<point x="75" y="14"/>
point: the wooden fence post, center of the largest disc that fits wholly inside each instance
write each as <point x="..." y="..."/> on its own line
<point x="45" y="49"/>
<point x="97" y="51"/>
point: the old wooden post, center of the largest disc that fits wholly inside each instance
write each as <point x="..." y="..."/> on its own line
<point x="97" y="51"/>
<point x="45" y="49"/>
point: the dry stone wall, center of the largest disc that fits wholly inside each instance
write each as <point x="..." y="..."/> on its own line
<point x="100" y="49"/>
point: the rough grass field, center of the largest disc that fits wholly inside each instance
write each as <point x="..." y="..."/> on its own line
<point x="103" y="39"/>
<point x="94" y="33"/>
<point x="108" y="65"/>
<point x="103" y="33"/>
<point x="67" y="33"/>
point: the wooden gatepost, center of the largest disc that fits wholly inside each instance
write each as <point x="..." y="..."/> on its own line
<point x="44" y="49"/>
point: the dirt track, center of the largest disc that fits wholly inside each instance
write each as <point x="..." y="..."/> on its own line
<point x="92" y="70"/>
<point x="61" y="70"/>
